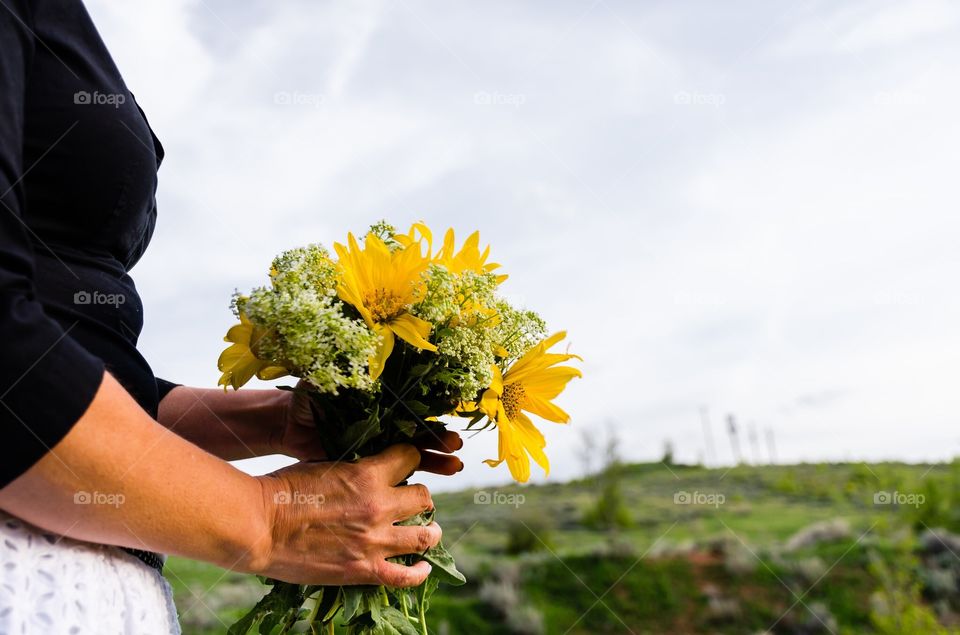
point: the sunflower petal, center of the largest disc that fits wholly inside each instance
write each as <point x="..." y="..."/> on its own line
<point x="533" y="441"/>
<point x="544" y="408"/>
<point x="412" y="330"/>
<point x="272" y="372"/>
<point x="379" y="359"/>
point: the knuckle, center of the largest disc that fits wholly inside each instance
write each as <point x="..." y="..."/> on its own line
<point x="376" y="573"/>
<point x="410" y="453"/>
<point x="360" y="476"/>
<point x="425" y="539"/>
<point x="423" y="495"/>
<point x="369" y="510"/>
<point x="358" y="573"/>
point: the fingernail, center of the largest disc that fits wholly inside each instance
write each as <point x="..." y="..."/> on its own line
<point x="460" y="469"/>
<point x="460" y="439"/>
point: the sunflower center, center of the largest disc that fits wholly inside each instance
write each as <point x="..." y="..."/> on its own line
<point x="513" y="397"/>
<point x="383" y="305"/>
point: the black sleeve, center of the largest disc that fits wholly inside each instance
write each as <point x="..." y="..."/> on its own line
<point x="164" y="387"/>
<point x="47" y="380"/>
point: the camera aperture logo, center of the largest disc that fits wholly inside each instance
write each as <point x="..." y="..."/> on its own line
<point x="898" y="498"/>
<point x="96" y="98"/>
<point x="98" y="498"/>
<point x="713" y="499"/>
<point x="84" y="298"/>
<point x="686" y="98"/>
<point x="296" y="98"/>
<point x="485" y="98"/>
<point x="484" y="497"/>
<point x="298" y="498"/>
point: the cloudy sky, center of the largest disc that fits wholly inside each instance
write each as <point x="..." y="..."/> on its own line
<point x="748" y="206"/>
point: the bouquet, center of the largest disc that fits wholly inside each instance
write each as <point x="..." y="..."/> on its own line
<point x="386" y="338"/>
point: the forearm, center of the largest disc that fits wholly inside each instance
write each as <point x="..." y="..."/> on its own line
<point x="120" y="478"/>
<point x="231" y="425"/>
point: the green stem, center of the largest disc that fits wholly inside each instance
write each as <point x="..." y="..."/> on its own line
<point x="331" y="630"/>
<point x="386" y="598"/>
<point x="421" y="610"/>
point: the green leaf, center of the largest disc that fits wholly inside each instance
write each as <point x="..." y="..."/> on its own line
<point x="444" y="568"/>
<point x="352" y="597"/>
<point x="406" y="426"/>
<point x="330" y="602"/>
<point x="361" y="603"/>
<point x="417" y="407"/>
<point x="420" y="370"/>
<point x="276" y="608"/>
<point x="396" y="622"/>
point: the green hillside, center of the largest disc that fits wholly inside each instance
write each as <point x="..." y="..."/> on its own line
<point x="656" y="548"/>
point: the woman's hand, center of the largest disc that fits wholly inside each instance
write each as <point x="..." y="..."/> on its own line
<point x="296" y="428"/>
<point x="297" y="437"/>
<point x="249" y="423"/>
<point x="334" y="523"/>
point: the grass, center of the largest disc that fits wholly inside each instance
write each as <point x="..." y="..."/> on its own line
<point x="677" y="568"/>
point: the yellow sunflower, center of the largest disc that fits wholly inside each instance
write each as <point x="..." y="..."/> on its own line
<point x="469" y="258"/>
<point x="382" y="285"/>
<point x="530" y="385"/>
<point x="238" y="362"/>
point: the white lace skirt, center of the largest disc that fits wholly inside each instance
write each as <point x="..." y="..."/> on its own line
<point x="55" y="585"/>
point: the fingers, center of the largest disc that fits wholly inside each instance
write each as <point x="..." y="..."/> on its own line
<point x="409" y="500"/>
<point x="398" y="575"/>
<point x="446" y="441"/>
<point x="402" y="540"/>
<point x="394" y="464"/>
<point x="443" y="464"/>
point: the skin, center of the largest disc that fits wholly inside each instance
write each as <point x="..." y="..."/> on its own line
<point x="165" y="486"/>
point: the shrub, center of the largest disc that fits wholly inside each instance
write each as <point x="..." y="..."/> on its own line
<point x="528" y="537"/>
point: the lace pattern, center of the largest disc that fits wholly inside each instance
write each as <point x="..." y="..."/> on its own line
<point x="51" y="584"/>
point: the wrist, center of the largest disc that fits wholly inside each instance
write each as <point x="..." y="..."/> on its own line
<point x="256" y="551"/>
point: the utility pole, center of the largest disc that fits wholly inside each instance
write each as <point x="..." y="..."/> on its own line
<point x="734" y="441"/>
<point x="771" y="446"/>
<point x="754" y="443"/>
<point x="711" y="454"/>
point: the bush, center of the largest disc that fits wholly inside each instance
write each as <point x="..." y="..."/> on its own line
<point x="897" y="607"/>
<point x="610" y="510"/>
<point x="941" y="501"/>
<point x="528" y="537"/>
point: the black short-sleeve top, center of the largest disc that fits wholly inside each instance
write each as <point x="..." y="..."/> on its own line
<point x="78" y="177"/>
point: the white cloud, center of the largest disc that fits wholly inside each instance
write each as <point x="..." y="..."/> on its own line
<point x="785" y="231"/>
